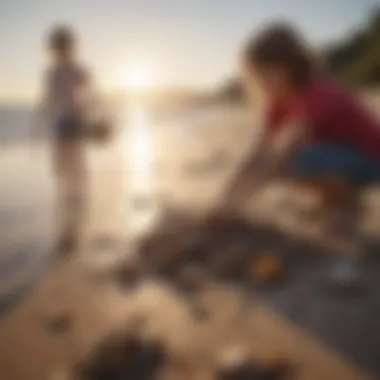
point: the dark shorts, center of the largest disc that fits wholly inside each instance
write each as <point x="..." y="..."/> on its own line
<point x="68" y="128"/>
<point x="331" y="159"/>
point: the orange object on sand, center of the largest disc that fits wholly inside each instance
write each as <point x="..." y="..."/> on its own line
<point x="268" y="267"/>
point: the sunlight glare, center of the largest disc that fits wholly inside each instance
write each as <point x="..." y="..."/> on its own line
<point x="139" y="78"/>
<point x="140" y="148"/>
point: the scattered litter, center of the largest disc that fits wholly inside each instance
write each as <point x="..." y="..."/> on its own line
<point x="123" y="355"/>
<point x="188" y="253"/>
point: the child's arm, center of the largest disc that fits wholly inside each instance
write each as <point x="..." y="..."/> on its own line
<point x="285" y="148"/>
<point x="277" y="153"/>
<point x="240" y="185"/>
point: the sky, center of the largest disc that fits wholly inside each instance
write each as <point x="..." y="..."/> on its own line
<point x="191" y="43"/>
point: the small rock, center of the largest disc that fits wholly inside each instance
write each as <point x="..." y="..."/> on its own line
<point x="58" y="320"/>
<point x="123" y="354"/>
<point x="129" y="272"/>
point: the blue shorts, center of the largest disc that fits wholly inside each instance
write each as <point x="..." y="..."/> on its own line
<point x="69" y="127"/>
<point x="333" y="159"/>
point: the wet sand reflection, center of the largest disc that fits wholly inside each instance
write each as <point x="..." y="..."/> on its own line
<point x="139" y="148"/>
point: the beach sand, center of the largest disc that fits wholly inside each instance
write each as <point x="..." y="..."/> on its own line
<point x="186" y="170"/>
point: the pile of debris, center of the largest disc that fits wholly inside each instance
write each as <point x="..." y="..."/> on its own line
<point x="190" y="254"/>
<point x="124" y="355"/>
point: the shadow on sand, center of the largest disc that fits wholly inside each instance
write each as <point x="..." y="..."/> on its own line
<point x="284" y="272"/>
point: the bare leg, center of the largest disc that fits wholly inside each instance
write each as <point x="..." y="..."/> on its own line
<point x="71" y="175"/>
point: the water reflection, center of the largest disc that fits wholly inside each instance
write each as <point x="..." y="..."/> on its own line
<point x="139" y="147"/>
<point x="140" y="150"/>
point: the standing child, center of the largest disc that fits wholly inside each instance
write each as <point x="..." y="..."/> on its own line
<point x="332" y="142"/>
<point x="66" y="92"/>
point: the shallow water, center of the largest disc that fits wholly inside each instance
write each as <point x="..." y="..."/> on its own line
<point x="28" y="192"/>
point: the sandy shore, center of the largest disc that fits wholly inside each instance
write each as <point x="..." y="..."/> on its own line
<point x="186" y="169"/>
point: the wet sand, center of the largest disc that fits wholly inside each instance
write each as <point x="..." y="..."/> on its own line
<point x="324" y="337"/>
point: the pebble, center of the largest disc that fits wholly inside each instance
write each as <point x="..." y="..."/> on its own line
<point x="57" y="320"/>
<point x="129" y="272"/>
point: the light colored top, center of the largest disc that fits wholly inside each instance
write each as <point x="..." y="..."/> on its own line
<point x="66" y="89"/>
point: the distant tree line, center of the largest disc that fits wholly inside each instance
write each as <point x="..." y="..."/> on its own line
<point x="355" y="60"/>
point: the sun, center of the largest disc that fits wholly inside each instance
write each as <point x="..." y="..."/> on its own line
<point x="138" y="79"/>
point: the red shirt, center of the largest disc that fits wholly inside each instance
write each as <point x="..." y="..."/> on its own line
<point x="332" y="115"/>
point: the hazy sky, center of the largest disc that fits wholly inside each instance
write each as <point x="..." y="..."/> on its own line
<point x="181" y="42"/>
